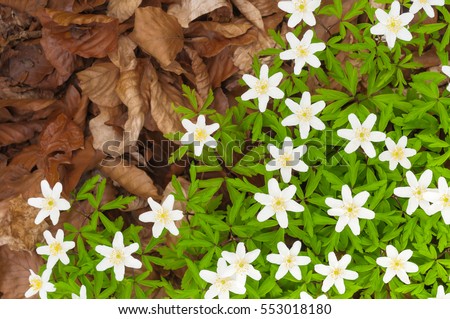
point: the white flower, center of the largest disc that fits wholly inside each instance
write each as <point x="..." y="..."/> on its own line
<point x="199" y="134"/>
<point x="305" y="295"/>
<point x="118" y="256"/>
<point x="277" y="202"/>
<point x="221" y="282"/>
<point x="82" y="293"/>
<point x="301" y="10"/>
<point x="302" y="51"/>
<point x="240" y="263"/>
<point x="426" y="6"/>
<point x="51" y="204"/>
<point x="416" y="191"/>
<point x="57" y="248"/>
<point x="349" y="210"/>
<point x="397" y="264"/>
<point x="446" y="71"/>
<point x="304" y="115"/>
<point x="392" y="24"/>
<point x="361" y="135"/>
<point x="440" y="200"/>
<point x="263" y="88"/>
<point x="162" y="215"/>
<point x="40" y="284"/>
<point x="397" y="153"/>
<point x="289" y="260"/>
<point x="287" y="159"/>
<point x="440" y="294"/>
<point x="336" y="272"/>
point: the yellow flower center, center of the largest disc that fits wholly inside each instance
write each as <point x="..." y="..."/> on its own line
<point x="397" y="264"/>
<point x="36" y="284"/>
<point x="445" y="200"/>
<point x="305" y="114"/>
<point x="302" y="51"/>
<point x="50" y="204"/>
<point x="289" y="261"/>
<point x="398" y="153"/>
<point x="300" y="5"/>
<point x="394" y="24"/>
<point x="262" y="87"/>
<point x="162" y="216"/>
<point x="222" y="284"/>
<point x="278" y="204"/>
<point x="285" y="160"/>
<point x="418" y="192"/>
<point x="55" y="248"/>
<point x="351" y="210"/>
<point x="337" y="272"/>
<point x="117" y="257"/>
<point x="362" y="134"/>
<point x="200" y="134"/>
<point x="423" y="1"/>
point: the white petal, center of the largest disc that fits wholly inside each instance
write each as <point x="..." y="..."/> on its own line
<point x="405" y="255"/>
<point x="132" y="262"/>
<point x="103" y="265"/>
<point x="346" y="133"/>
<point x="384" y="261"/>
<point x="296" y="273"/>
<point x="404" y="192"/>
<point x="403" y="276"/>
<point x="341" y="223"/>
<point x="282" y="271"/>
<point x="388" y="275"/>
<point x="265" y="214"/>
<point x="208" y="276"/>
<point x="119" y="272"/>
<point x="339" y="283"/>
<point x="406" y="18"/>
<point x="282" y="219"/>
<point x="313" y="61"/>
<point x="353" y="223"/>
<point x="293" y="206"/>
<point x="43" y="214"/>
<point x="292" y="39"/>
<point x="346" y="194"/>
<point x="309" y="19"/>
<point x="307" y="37"/>
<point x="327" y="283"/>
<point x="288" y="55"/>
<point x="350" y="275"/>
<point x="275" y="93"/>
<point x="275" y="259"/>
<point x="382" y="16"/>
<point x="411" y="267"/>
<point x="378" y="29"/>
<point x="62" y="204"/>
<point x="37" y="202"/>
<point x="322" y="269"/>
<point x="263" y="198"/>
<point x="391" y="251"/>
<point x="352" y="146"/>
<point x="287" y="6"/>
<point x="157" y="229"/>
<point x="118" y="240"/>
<point x="46" y="189"/>
<point x="361" y="198"/>
<point x="263" y="100"/>
<point x="212" y="292"/>
<point x="395" y="9"/>
<point x="404" y="34"/>
<point x="369" y="149"/>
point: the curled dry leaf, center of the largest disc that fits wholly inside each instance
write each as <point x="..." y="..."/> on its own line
<point x="128" y="90"/>
<point x="124" y="57"/>
<point x="250" y="12"/>
<point x="99" y="83"/>
<point x="74" y="5"/>
<point x="18" y="180"/>
<point x="221" y="67"/>
<point x="17" y="227"/>
<point x="31" y="105"/>
<point x="107" y="138"/>
<point x="10" y="89"/>
<point x="133" y="179"/>
<point x="190" y="10"/>
<point x="158" y="33"/>
<point x="14" y="271"/>
<point x="162" y="96"/>
<point x="202" y="81"/>
<point x="122" y="9"/>
<point x="87" y="35"/>
<point x="266" y="7"/>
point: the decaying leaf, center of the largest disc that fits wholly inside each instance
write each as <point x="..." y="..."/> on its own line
<point x="122" y="9"/>
<point x="189" y="10"/>
<point x="99" y="83"/>
<point x="17" y="227"/>
<point x="162" y="95"/>
<point x="202" y="81"/>
<point x="28" y="6"/>
<point x="250" y="12"/>
<point x="87" y="35"/>
<point x="11" y="133"/>
<point x="107" y="138"/>
<point x="158" y="33"/>
<point x="124" y="57"/>
<point x="133" y="179"/>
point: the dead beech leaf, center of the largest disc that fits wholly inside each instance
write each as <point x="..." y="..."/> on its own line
<point x="12" y="133"/>
<point x="227" y="30"/>
<point x="87" y="35"/>
<point x="128" y="90"/>
<point x="18" y="180"/>
<point x="14" y="271"/>
<point x="202" y="81"/>
<point x="74" y="5"/>
<point x="27" y="104"/>
<point x="122" y="9"/>
<point x="249" y="11"/>
<point x="190" y="10"/>
<point x="106" y="138"/>
<point x="221" y="67"/>
<point x="17" y="227"/>
<point x="266" y="7"/>
<point x="133" y="179"/>
<point x="162" y="95"/>
<point x="158" y="33"/>
<point x="124" y="57"/>
<point x="99" y="82"/>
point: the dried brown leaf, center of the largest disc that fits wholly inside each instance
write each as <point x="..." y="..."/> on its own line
<point x="12" y="133"/>
<point x="249" y="11"/>
<point x="158" y="33"/>
<point x="266" y="7"/>
<point x="221" y="67"/>
<point x="190" y="10"/>
<point x="99" y="83"/>
<point x="27" y="104"/>
<point x="106" y="138"/>
<point x="17" y="227"/>
<point x="122" y="9"/>
<point x="28" y="6"/>
<point x="87" y="35"/>
<point x="124" y="57"/>
<point x="18" y="180"/>
<point x="162" y="95"/>
<point x="133" y="179"/>
<point x="202" y="81"/>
